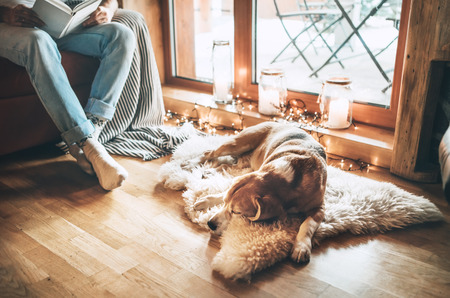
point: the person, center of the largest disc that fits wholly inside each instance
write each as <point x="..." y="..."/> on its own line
<point x="113" y="43"/>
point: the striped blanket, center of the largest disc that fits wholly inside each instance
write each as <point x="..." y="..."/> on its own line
<point x="137" y="128"/>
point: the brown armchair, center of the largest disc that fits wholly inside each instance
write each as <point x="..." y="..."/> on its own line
<point x="24" y="123"/>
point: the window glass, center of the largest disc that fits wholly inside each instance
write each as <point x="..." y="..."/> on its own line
<point x="314" y="39"/>
<point x="195" y="25"/>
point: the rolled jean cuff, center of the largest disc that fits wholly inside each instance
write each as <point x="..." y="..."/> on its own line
<point x="100" y="108"/>
<point x="77" y="133"/>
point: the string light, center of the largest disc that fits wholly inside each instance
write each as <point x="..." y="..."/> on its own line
<point x="349" y="164"/>
<point x="295" y="112"/>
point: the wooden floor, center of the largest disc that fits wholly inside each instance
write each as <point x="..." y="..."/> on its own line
<point x="61" y="235"/>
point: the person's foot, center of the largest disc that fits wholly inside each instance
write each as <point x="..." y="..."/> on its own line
<point x="110" y="174"/>
<point x="78" y="154"/>
<point x="99" y="124"/>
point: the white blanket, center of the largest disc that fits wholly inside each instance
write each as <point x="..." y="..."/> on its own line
<point x="352" y="204"/>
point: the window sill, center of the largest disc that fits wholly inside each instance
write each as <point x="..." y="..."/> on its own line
<point x="367" y="143"/>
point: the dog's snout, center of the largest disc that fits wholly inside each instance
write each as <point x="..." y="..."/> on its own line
<point x="212" y="225"/>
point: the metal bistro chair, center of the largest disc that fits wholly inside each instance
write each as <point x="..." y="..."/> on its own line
<point x="331" y="7"/>
<point x="312" y="14"/>
<point x="355" y="31"/>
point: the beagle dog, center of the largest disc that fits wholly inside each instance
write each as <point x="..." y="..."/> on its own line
<point x="289" y="177"/>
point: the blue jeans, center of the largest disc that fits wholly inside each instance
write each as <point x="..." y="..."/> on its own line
<point x="38" y="52"/>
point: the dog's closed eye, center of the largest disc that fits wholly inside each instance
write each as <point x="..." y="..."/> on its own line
<point x="235" y="212"/>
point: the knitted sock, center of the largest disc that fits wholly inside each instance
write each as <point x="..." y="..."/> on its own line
<point x="78" y="154"/>
<point x="110" y="174"/>
<point x="99" y="123"/>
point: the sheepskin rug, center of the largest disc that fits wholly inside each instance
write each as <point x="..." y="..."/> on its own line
<point x="353" y="204"/>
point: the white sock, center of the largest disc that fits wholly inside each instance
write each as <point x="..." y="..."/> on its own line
<point x="78" y="154"/>
<point x="110" y="174"/>
<point x="99" y="123"/>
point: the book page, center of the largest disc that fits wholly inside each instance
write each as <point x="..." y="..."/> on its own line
<point x="84" y="4"/>
<point x="55" y="18"/>
<point x="58" y="3"/>
<point x="80" y="16"/>
<point x="60" y="19"/>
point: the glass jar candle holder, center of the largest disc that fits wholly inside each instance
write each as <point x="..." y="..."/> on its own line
<point x="272" y="92"/>
<point x="222" y="72"/>
<point x="336" y="103"/>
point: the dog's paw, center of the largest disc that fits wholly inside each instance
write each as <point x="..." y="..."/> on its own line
<point x="201" y="204"/>
<point x="208" y="201"/>
<point x="207" y="156"/>
<point x="301" y="252"/>
<point x="190" y="164"/>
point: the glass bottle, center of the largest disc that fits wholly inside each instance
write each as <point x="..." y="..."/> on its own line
<point x="272" y="92"/>
<point x="222" y="72"/>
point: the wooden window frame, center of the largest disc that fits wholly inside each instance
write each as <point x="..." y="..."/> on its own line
<point x="245" y="88"/>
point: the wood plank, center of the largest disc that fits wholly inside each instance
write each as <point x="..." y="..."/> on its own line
<point x="49" y="288"/>
<point x="194" y="286"/>
<point x="170" y="248"/>
<point x="57" y="268"/>
<point x="10" y="286"/>
<point x="54" y="233"/>
<point x="11" y="235"/>
<point x="103" y="253"/>
<point x="18" y="267"/>
<point x="149" y="260"/>
<point x="117" y="284"/>
<point x="158" y="287"/>
<point x="88" y="224"/>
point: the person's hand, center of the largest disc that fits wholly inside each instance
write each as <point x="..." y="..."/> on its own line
<point x="101" y="15"/>
<point x="22" y="16"/>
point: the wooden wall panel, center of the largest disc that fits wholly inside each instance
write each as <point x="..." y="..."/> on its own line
<point x="185" y="38"/>
<point x="428" y="41"/>
<point x="151" y="10"/>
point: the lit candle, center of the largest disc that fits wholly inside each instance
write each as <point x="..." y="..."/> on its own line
<point x="269" y="102"/>
<point x="221" y="89"/>
<point x="338" y="113"/>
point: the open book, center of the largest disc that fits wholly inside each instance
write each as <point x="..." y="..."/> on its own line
<point x="60" y="19"/>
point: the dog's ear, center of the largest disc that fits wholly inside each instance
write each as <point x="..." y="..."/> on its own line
<point x="236" y="184"/>
<point x="267" y="207"/>
<point x="258" y="210"/>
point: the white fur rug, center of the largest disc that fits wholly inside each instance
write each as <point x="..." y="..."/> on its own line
<point x="352" y="204"/>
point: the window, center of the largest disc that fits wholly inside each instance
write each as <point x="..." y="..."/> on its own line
<point x="196" y="24"/>
<point x="309" y="40"/>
